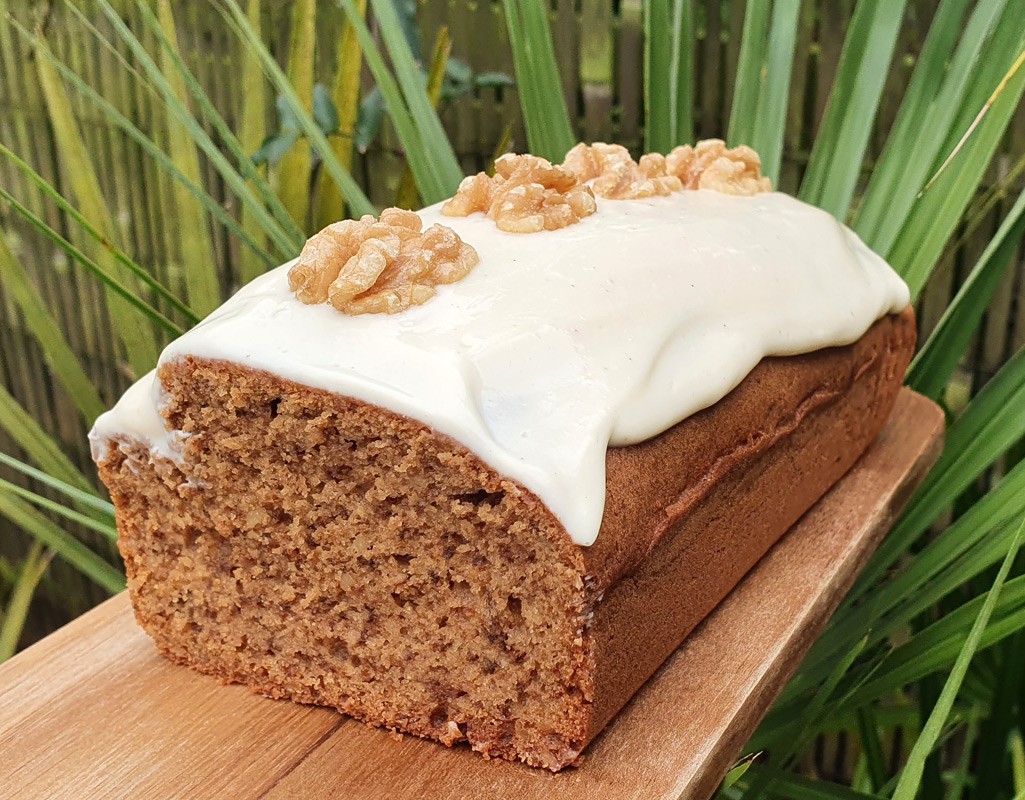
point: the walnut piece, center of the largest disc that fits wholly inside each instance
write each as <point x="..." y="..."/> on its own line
<point x="616" y="175"/>
<point x="711" y="165"/>
<point x="527" y="194"/>
<point x="371" y="266"/>
<point x="588" y="162"/>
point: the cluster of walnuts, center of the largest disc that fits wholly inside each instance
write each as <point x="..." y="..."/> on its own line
<point x="529" y="194"/>
<point x="371" y="266"/>
<point x="707" y="165"/>
<point x="386" y="265"/>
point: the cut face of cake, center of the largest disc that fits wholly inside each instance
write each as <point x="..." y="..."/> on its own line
<point x="473" y="474"/>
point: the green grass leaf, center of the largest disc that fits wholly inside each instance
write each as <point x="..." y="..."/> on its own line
<point x="738" y="770"/>
<point x="681" y="69"/>
<point x="331" y="205"/>
<point x="746" y="89"/>
<point x="132" y="302"/>
<point x="429" y="179"/>
<point x="935" y="648"/>
<point x="936" y="361"/>
<point x="992" y="195"/>
<point x="818" y="705"/>
<point x="797" y="787"/>
<point x="63" y="544"/>
<point x="658" y="82"/>
<point x="406" y="195"/>
<point x="1018" y="765"/>
<point x="37" y="444"/>
<point x="997" y="728"/>
<point x="252" y="130"/>
<point x="910" y="779"/>
<point x="764" y="68"/>
<point x="1019" y="62"/>
<point x="961" y="777"/>
<point x="50" y="193"/>
<point x="296" y="167"/>
<point x="668" y="73"/>
<point x="930" y="105"/>
<point x="432" y="135"/>
<point x="136" y="336"/>
<point x="16" y="612"/>
<point x="936" y="215"/>
<point x="246" y="168"/>
<point x="98" y="36"/>
<point x="868" y="734"/>
<point x="106" y="530"/>
<point x="350" y="190"/>
<point x="88" y="500"/>
<point x="976" y="541"/>
<point x="279" y="227"/>
<point x="163" y="161"/>
<point x="774" y="87"/>
<point x="60" y="358"/>
<point x="973" y="543"/>
<point x="839" y="148"/>
<point x="199" y="262"/>
<point x="545" y="116"/>
<point x="991" y="424"/>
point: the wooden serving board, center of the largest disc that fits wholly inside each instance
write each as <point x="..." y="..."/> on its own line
<point x="93" y="711"/>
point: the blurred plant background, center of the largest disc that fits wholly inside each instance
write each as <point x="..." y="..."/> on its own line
<point x="156" y="155"/>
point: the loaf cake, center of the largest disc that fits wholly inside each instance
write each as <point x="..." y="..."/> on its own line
<point x="472" y="474"/>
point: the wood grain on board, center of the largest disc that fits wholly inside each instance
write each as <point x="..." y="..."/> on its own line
<point x="93" y="711"/>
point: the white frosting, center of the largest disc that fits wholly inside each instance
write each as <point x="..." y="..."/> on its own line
<point x="562" y="343"/>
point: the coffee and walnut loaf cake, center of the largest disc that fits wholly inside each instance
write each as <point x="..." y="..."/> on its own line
<point x="474" y="473"/>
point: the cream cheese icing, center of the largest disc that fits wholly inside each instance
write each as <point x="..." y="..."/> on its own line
<point x="563" y="343"/>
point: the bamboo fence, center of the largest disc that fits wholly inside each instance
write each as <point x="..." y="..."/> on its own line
<point x="599" y="51"/>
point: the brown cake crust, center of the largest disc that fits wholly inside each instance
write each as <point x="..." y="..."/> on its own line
<point x="332" y="552"/>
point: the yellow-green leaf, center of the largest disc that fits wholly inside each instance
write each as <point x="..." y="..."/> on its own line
<point x="296" y="165"/>
<point x="32" y="571"/>
<point x="330" y="204"/>
<point x="407" y="195"/>
<point x="252" y="129"/>
<point x="136" y="335"/>
<point x="58" y="353"/>
<point x="199" y="266"/>
<point x="45" y="530"/>
<point x="37" y="443"/>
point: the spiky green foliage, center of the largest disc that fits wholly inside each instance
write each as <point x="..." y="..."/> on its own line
<point x="760" y="97"/>
<point x="668" y="73"/>
<point x="945" y="593"/>
<point x="549" y="131"/>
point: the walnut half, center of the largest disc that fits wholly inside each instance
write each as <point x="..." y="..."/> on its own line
<point x="527" y="194"/>
<point x="371" y="266"/>
<point x="712" y="165"/>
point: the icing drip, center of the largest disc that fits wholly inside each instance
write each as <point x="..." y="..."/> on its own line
<point x="562" y="343"/>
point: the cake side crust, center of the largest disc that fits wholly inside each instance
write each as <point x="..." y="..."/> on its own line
<point x="821" y="411"/>
<point x="644" y="499"/>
